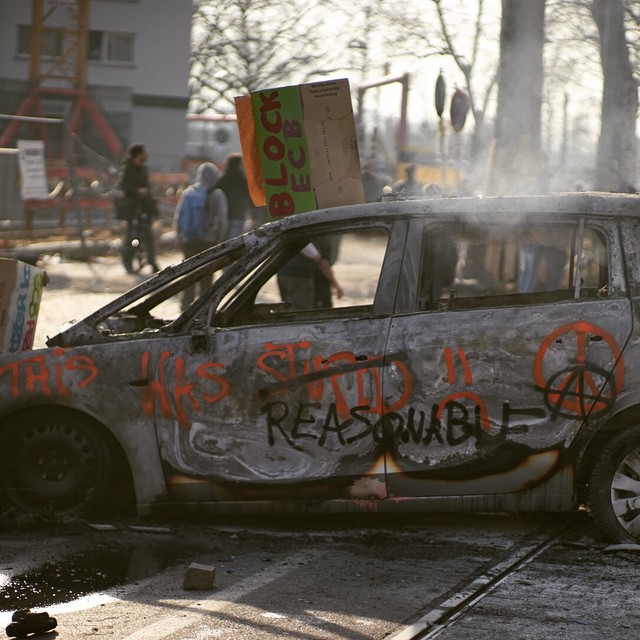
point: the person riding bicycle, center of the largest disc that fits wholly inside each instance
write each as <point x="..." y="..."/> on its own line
<point x="138" y="206"/>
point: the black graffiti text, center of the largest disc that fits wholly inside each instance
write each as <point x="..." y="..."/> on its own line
<point x="451" y="424"/>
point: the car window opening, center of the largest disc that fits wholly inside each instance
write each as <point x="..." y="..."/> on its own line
<point x="468" y="266"/>
<point x="292" y="285"/>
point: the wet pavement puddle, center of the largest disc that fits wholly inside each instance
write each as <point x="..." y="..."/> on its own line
<point x="92" y="570"/>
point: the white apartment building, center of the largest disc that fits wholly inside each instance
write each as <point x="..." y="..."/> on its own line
<point x="136" y="67"/>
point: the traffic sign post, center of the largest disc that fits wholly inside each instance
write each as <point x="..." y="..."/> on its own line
<point x="439" y="99"/>
<point x="458" y="112"/>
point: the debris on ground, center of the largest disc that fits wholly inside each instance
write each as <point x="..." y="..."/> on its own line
<point x="25" y="622"/>
<point x="199" y="576"/>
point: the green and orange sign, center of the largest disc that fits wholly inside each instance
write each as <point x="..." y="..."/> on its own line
<point x="300" y="148"/>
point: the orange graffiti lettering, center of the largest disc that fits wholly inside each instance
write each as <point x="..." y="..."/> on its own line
<point x="283" y="352"/>
<point x="451" y="374"/>
<point x="203" y="372"/>
<point x="176" y="404"/>
<point x="346" y="365"/>
<point x="35" y="374"/>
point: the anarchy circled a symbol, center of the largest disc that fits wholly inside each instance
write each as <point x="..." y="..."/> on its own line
<point x="583" y="388"/>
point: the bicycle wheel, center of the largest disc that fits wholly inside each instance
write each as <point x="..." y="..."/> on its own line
<point x="140" y="258"/>
<point x="137" y="239"/>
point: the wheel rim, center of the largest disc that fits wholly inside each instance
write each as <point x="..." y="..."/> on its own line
<point x="54" y="465"/>
<point x="625" y="493"/>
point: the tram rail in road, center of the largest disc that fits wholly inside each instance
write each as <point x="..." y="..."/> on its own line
<point x="440" y="618"/>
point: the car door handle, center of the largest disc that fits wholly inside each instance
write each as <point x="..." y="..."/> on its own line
<point x="139" y="383"/>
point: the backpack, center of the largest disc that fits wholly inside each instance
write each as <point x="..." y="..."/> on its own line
<point x="193" y="222"/>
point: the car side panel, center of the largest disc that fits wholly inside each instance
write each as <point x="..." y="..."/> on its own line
<point x="499" y="393"/>
<point x="109" y="383"/>
<point x="498" y="396"/>
<point x="276" y="411"/>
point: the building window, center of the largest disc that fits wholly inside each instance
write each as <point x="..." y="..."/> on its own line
<point x="24" y="39"/>
<point x="52" y="41"/>
<point x="120" y="47"/>
<point x="94" y="45"/>
<point x="110" y="46"/>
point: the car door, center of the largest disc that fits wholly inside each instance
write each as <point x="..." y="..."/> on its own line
<point x="504" y="365"/>
<point x="273" y="401"/>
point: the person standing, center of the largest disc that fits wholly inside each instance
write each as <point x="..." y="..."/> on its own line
<point x="201" y="220"/>
<point x="328" y="247"/>
<point x="297" y="278"/>
<point x="234" y="184"/>
<point x="138" y="205"/>
<point x="410" y="185"/>
<point x="372" y="183"/>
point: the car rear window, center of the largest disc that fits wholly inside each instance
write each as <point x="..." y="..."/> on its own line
<point x="470" y="265"/>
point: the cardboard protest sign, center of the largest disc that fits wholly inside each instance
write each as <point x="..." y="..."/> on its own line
<point x="21" y="287"/>
<point x="300" y="147"/>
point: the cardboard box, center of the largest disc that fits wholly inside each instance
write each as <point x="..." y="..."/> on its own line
<point x="333" y="144"/>
<point x="21" y="287"/>
<point x="300" y="147"/>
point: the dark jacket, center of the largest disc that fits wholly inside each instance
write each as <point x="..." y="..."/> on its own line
<point x="234" y="184"/>
<point x="133" y="177"/>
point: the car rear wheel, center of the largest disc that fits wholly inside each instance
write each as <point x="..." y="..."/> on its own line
<point x="55" y="462"/>
<point x="614" y="487"/>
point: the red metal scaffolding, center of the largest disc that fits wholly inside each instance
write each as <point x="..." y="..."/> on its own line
<point x="61" y="74"/>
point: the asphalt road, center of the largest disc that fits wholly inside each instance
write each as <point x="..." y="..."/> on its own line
<point x="456" y="577"/>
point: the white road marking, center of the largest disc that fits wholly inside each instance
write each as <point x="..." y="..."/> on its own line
<point x="169" y="624"/>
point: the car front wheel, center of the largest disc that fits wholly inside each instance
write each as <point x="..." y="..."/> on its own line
<point x="55" y="461"/>
<point x="614" y="487"/>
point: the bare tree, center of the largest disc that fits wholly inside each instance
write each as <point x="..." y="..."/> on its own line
<point x="615" y="165"/>
<point x="429" y="34"/>
<point x="461" y="31"/>
<point x="571" y="98"/>
<point x="608" y="30"/>
<point x="240" y="46"/>
<point x="469" y="65"/>
<point x="518" y="165"/>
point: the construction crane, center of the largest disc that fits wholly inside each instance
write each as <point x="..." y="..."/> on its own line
<point x="61" y="74"/>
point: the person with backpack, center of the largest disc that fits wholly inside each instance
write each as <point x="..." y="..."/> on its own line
<point x="200" y="220"/>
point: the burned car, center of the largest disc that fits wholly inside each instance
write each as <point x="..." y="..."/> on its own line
<point x="483" y="360"/>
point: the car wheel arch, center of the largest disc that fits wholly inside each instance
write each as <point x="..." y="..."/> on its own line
<point x="614" y="487"/>
<point x="117" y="453"/>
<point x="622" y="420"/>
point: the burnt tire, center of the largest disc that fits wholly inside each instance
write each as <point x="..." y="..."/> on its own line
<point x="614" y="487"/>
<point x="55" y="462"/>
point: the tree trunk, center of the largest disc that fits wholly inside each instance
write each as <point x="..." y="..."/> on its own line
<point x="615" y="162"/>
<point x="518" y="165"/>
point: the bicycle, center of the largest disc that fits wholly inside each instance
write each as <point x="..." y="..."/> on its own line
<point x="139" y="250"/>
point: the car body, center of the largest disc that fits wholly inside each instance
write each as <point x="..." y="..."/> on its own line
<point x="484" y="360"/>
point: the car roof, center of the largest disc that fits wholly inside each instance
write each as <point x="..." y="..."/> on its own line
<point x="587" y="203"/>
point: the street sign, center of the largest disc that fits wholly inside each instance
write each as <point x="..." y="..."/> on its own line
<point x="459" y="109"/>
<point x="440" y="94"/>
<point x="32" y="169"/>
